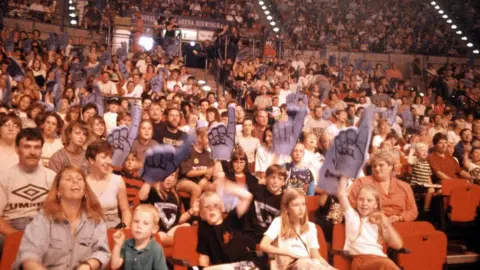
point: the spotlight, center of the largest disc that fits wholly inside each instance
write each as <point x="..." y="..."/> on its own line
<point x="475" y="51"/>
<point x="146" y="42"/>
<point x="440" y="11"/>
<point x="267" y="12"/>
<point x="454" y="26"/>
<point x="192" y="43"/>
<point x="264" y="7"/>
<point x="433" y="3"/>
<point x="201" y="82"/>
<point x="70" y="1"/>
<point x="276" y="29"/>
<point x="73" y="22"/>
<point x="260" y="3"/>
<point x="272" y="23"/>
<point x="450" y="21"/>
<point x="464" y="38"/>
<point x="71" y="8"/>
<point x="445" y="16"/>
<point x="459" y="32"/>
<point x="73" y="15"/>
<point x="437" y="7"/>
<point x="469" y="44"/>
<point x="206" y="88"/>
<point x="269" y="17"/>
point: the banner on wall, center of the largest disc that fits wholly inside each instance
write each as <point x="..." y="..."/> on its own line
<point x="149" y="18"/>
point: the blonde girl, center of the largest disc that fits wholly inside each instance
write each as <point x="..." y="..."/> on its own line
<point x="367" y="228"/>
<point x="163" y="196"/>
<point x="297" y="245"/>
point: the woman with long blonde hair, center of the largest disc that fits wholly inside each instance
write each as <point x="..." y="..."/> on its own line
<point x="69" y="232"/>
<point x="296" y="238"/>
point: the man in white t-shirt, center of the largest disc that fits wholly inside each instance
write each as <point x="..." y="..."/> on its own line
<point x="298" y="64"/>
<point x="23" y="187"/>
<point x="340" y="123"/>
<point x="106" y="86"/>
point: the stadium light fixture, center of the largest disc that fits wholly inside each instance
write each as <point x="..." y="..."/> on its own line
<point x="437" y="7"/>
<point x="260" y="3"/>
<point x="445" y="16"/>
<point x="206" y="88"/>
<point x="450" y="21"/>
<point x="267" y="12"/>
<point x="464" y="38"/>
<point x="433" y="3"/>
<point x="440" y="11"/>
<point x="264" y="7"/>
<point x="459" y="32"/>
<point x="146" y="42"/>
<point x="73" y="15"/>
<point x="73" y="22"/>
<point x="201" y="82"/>
<point x="192" y="43"/>
<point x="70" y="1"/>
<point x="272" y="23"/>
<point x="276" y="29"/>
<point x="454" y="26"/>
<point x="475" y="51"/>
<point x="469" y="44"/>
<point x="71" y="8"/>
<point x="269" y="17"/>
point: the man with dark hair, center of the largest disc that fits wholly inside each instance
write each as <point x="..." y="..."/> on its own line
<point x="89" y="111"/>
<point x="24" y="186"/>
<point x="444" y="166"/>
<point x="168" y="132"/>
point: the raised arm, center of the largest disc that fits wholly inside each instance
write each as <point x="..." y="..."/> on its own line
<point x="342" y="193"/>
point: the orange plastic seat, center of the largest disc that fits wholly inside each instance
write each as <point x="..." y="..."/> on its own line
<point x="322" y="243"/>
<point x="10" y="250"/>
<point x="313" y="203"/>
<point x="413" y="227"/>
<point x="185" y="246"/>
<point x="338" y="242"/>
<point x="463" y="203"/>
<point x="428" y="251"/>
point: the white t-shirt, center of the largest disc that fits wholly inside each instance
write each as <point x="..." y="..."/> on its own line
<point x="250" y="145"/>
<point x="22" y="193"/>
<point x="264" y="158"/>
<point x="293" y="245"/>
<point x="361" y="236"/>
<point x="377" y="140"/>
<point x="49" y="148"/>
<point x="109" y="88"/>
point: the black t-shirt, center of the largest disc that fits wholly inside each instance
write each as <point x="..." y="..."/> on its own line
<point x="263" y="209"/>
<point x="169" y="209"/>
<point x="162" y="135"/>
<point x="225" y="243"/>
<point x="197" y="161"/>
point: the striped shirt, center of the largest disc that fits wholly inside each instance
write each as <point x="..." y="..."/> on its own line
<point x="421" y="172"/>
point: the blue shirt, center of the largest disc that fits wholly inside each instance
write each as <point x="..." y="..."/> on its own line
<point x="150" y="257"/>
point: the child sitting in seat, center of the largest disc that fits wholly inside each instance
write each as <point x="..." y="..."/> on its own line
<point x="141" y="251"/>
<point x="133" y="182"/>
<point x="296" y="238"/>
<point x="367" y="228"/>
<point x="221" y="242"/>
<point x="421" y="173"/>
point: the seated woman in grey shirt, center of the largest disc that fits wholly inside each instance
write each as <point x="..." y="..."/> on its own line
<point x="69" y="232"/>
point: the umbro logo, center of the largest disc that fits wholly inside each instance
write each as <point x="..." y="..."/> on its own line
<point x="30" y="192"/>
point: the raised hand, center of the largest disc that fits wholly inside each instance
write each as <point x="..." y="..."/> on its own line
<point x="121" y="138"/>
<point x="378" y="218"/>
<point x="162" y="160"/>
<point x="286" y="133"/>
<point x="156" y="83"/>
<point x="119" y="238"/>
<point x="222" y="138"/>
<point x="122" y="52"/>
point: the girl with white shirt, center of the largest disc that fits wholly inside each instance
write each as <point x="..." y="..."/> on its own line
<point x="367" y="228"/>
<point x="297" y="244"/>
<point x="51" y="128"/>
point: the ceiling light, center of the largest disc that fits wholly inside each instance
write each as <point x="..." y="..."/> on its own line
<point x="445" y="16"/>
<point x="276" y="29"/>
<point x="206" y="88"/>
<point x="272" y="23"/>
<point x="201" y="82"/>
<point x="73" y="15"/>
<point x="260" y="3"/>
<point x="192" y="43"/>
<point x="459" y="32"/>
<point x="73" y="22"/>
<point x="437" y="7"/>
<point x="269" y="18"/>
<point x="475" y="51"/>
<point x="440" y="11"/>
<point x="71" y="8"/>
<point x="469" y="44"/>
<point x="264" y="7"/>
<point x="433" y="3"/>
<point x="464" y="38"/>
<point x="267" y="12"/>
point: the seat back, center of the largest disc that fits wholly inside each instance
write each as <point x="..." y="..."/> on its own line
<point x="449" y="184"/>
<point x="463" y="203"/>
<point x="322" y="243"/>
<point x="10" y="250"/>
<point x="313" y="202"/>
<point x="428" y="251"/>
<point x="406" y="228"/>
<point x="185" y="245"/>
<point x="338" y="242"/>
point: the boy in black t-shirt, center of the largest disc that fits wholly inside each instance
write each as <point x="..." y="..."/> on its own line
<point x="266" y="202"/>
<point x="221" y="242"/>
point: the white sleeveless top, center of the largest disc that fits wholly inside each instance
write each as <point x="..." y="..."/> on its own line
<point x="108" y="198"/>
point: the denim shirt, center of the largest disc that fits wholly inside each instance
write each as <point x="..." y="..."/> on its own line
<point x="51" y="242"/>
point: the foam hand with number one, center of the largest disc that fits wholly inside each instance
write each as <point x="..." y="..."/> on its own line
<point x="162" y="160"/>
<point x="286" y="133"/>
<point x="121" y="138"/>
<point x="222" y="138"/>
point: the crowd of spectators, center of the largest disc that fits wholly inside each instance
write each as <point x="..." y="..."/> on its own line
<point x="60" y="102"/>
<point x="404" y="26"/>
<point x="37" y="10"/>
<point x="465" y="15"/>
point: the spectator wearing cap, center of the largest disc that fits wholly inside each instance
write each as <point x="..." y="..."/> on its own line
<point x="444" y="166"/>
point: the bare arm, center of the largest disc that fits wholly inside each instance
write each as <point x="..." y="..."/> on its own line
<point x="6" y="228"/>
<point x="266" y="246"/>
<point x="32" y="264"/>
<point x="144" y="191"/>
<point x="342" y="193"/>
<point x="203" y="260"/>
<point x="123" y="205"/>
